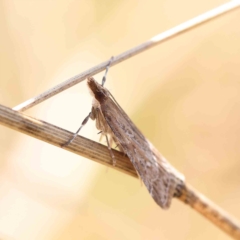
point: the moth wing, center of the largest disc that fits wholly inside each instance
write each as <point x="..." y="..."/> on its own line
<point x="150" y="165"/>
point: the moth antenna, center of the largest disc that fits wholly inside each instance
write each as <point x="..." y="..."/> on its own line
<point x="111" y="153"/>
<point x="75" y="134"/>
<point x="107" y="68"/>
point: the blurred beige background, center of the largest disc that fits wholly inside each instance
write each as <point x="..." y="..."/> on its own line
<point x="183" y="95"/>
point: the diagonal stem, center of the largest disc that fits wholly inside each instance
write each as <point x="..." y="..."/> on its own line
<point x="182" y="28"/>
<point x="99" y="153"/>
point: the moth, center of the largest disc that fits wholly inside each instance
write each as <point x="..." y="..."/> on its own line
<point x="160" y="178"/>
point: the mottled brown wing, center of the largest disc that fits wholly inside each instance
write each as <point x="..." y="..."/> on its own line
<point x="153" y="169"/>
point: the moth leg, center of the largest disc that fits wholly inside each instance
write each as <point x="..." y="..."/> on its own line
<point x="107" y="68"/>
<point x="93" y="114"/>
<point x="75" y="134"/>
<point x="111" y="153"/>
<point x="111" y="142"/>
<point x="100" y="139"/>
<point x="101" y="135"/>
<point x="118" y="145"/>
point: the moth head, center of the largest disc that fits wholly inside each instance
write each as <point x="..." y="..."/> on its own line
<point x="99" y="92"/>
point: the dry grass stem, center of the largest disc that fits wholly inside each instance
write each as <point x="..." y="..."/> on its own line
<point x="184" y="27"/>
<point x="99" y="153"/>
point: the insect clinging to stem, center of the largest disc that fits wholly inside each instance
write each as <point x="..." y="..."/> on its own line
<point x="160" y="178"/>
